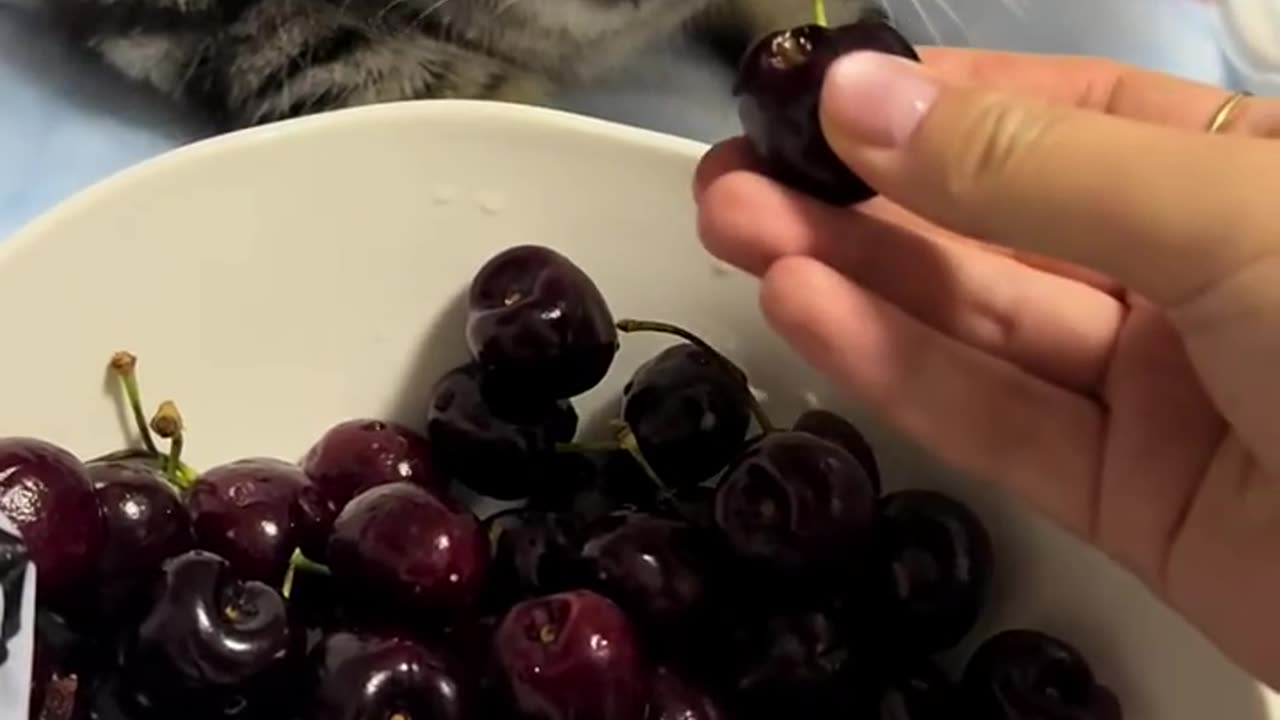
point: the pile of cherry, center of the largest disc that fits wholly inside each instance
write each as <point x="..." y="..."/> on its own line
<point x="700" y="565"/>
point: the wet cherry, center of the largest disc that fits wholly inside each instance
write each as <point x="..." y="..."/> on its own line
<point x="797" y="503"/>
<point x="256" y="512"/>
<point x="689" y="414"/>
<point x="494" y="447"/>
<point x="400" y="548"/>
<point x="46" y="494"/>
<point x="937" y="566"/>
<point x="1026" y="674"/>
<point x="778" y="88"/>
<point x="355" y="455"/>
<point x="573" y="656"/>
<point x="538" y="324"/>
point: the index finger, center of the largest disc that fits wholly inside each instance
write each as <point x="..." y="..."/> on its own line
<point x="1098" y="84"/>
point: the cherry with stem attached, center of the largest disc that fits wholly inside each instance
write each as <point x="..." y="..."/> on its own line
<point x="125" y="367"/>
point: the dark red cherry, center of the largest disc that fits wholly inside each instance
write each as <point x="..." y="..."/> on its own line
<point x="358" y="454"/>
<point x="401" y="548"/>
<point x="660" y="571"/>
<point x="213" y="645"/>
<point x="778" y="88"/>
<point x="801" y="662"/>
<point x="490" y="444"/>
<point x="829" y="426"/>
<point x="538" y="324"/>
<point x="689" y="414"/>
<point x="573" y="656"/>
<point x="938" y="563"/>
<point x="799" y="504"/>
<point x="46" y="494"/>
<point x="255" y="512"/>
<point x="535" y="553"/>
<point x="146" y="524"/>
<point x="367" y="677"/>
<point x="1025" y="674"/>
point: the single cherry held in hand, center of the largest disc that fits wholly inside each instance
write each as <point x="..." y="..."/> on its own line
<point x="779" y="87"/>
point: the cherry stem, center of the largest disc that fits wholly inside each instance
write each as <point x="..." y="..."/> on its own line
<point x="627" y="441"/>
<point x="167" y="423"/>
<point x="820" y="12"/>
<point x="125" y="366"/>
<point x="628" y="325"/>
<point x="299" y="562"/>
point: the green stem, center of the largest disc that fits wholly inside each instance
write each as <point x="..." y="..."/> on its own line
<point x="299" y="562"/>
<point x="125" y="365"/>
<point x="628" y="325"/>
<point x="820" y="12"/>
<point x="627" y="441"/>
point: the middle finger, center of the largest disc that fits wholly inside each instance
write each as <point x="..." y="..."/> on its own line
<point x="1051" y="326"/>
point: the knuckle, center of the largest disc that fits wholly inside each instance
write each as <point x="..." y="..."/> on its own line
<point x="995" y="142"/>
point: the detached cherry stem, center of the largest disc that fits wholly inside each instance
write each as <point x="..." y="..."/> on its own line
<point x="300" y="563"/>
<point x="628" y="325"/>
<point x="125" y="366"/>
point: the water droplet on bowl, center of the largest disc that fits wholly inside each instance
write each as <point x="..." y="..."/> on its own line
<point x="490" y="203"/>
<point x="444" y="194"/>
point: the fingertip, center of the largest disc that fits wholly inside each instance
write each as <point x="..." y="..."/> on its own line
<point x="723" y="157"/>
<point x="728" y="220"/>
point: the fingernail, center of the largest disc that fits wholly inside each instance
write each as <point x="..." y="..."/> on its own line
<point x="876" y="99"/>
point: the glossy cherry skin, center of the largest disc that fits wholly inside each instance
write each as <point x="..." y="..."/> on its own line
<point x="573" y="656"/>
<point x="538" y="324"/>
<point x="367" y="677"/>
<point x="146" y="524"/>
<point x="1025" y="674"/>
<point x="660" y="571"/>
<point x="488" y="444"/>
<point x="689" y="413"/>
<point x="212" y="642"/>
<point x="829" y="426"/>
<point x="46" y="494"/>
<point x="400" y="547"/>
<point x="534" y="553"/>
<point x="672" y="698"/>
<point x="778" y="88"/>
<point x="797" y="503"/>
<point x="938" y="561"/>
<point x="355" y="455"/>
<point x="255" y="512"/>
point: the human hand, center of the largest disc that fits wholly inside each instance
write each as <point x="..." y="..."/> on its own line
<point x="1068" y="288"/>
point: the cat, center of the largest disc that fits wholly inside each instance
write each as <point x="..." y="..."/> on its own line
<point x="249" y="62"/>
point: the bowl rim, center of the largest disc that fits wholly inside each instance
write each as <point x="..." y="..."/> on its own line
<point x="306" y="128"/>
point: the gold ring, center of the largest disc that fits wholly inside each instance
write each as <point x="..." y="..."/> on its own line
<point x="1227" y="110"/>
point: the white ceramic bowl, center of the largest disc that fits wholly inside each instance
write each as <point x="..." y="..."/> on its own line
<point x="281" y="279"/>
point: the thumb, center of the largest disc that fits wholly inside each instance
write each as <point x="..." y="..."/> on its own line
<point x="1167" y="212"/>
